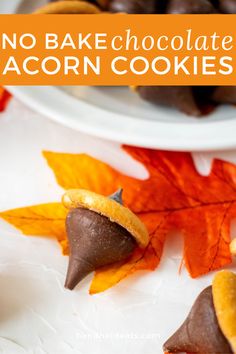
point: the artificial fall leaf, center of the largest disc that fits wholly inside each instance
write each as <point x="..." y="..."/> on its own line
<point x="174" y="197"/>
<point x="40" y="220"/>
<point x="4" y="99"/>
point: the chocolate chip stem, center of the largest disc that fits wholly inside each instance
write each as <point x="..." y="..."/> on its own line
<point x="117" y="196"/>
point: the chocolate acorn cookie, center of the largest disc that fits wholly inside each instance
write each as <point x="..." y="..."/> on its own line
<point x="100" y="230"/>
<point x="210" y="327"/>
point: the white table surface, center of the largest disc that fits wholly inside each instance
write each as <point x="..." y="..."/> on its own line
<point x="37" y="315"/>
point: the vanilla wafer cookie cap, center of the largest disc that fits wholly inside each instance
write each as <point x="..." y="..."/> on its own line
<point x="69" y="7"/>
<point x="115" y="212"/>
<point x="224" y="296"/>
<point x="102" y="3"/>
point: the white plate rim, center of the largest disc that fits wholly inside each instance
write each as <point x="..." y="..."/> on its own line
<point x="79" y="115"/>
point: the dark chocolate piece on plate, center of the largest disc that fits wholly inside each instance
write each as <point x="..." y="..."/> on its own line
<point x="203" y="93"/>
<point x="190" y="7"/>
<point x="200" y="333"/>
<point x="180" y="97"/>
<point x="133" y="6"/>
<point x="225" y="94"/>
<point x="227" y="6"/>
<point x="203" y="96"/>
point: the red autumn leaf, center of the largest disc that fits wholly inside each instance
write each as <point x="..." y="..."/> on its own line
<point x="174" y="196"/>
<point x="4" y="99"/>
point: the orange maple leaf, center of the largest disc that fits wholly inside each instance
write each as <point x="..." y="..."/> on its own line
<point x="174" y="196"/>
<point x="40" y="220"/>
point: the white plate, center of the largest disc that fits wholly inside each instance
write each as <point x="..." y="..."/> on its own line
<point x="120" y="115"/>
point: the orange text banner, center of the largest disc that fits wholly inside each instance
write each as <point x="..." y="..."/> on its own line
<point x="118" y="49"/>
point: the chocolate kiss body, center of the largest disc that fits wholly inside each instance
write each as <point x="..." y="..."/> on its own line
<point x="94" y="241"/>
<point x="190" y="7"/>
<point x="133" y="6"/>
<point x="200" y="333"/>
